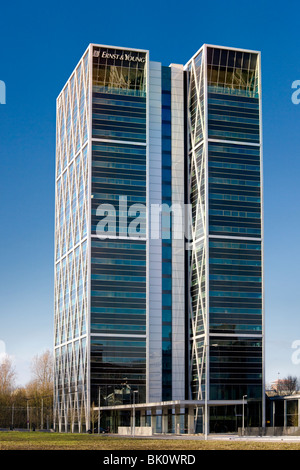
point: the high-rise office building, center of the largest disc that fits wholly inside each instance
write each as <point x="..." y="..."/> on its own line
<point x="159" y="242"/>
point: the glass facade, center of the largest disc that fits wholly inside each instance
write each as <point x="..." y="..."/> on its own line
<point x="235" y="368"/>
<point x="124" y="311"/>
<point x="235" y="278"/>
<point x="118" y="186"/>
<point x="119" y="95"/>
<point x="100" y="274"/>
<point x="225" y="263"/>
<point x="234" y="187"/>
<point x="118" y="287"/>
<point x="71" y="253"/>
<point x="234" y="190"/>
<point x="232" y="72"/>
<point x="118" y="368"/>
<point x="118" y="307"/>
<point x="118" y="226"/>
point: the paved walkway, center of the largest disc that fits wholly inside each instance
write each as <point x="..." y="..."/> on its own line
<point x="218" y="437"/>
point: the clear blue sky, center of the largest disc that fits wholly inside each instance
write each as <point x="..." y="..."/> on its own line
<point x="40" y="44"/>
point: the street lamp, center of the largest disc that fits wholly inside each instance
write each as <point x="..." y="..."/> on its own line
<point x="206" y="391"/>
<point x="27" y="407"/>
<point x="12" y="416"/>
<point x="99" y="399"/>
<point x="133" y="412"/>
<point x="244" y="396"/>
<point x="42" y="414"/>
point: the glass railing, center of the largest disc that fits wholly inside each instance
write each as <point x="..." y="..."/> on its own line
<point x="233" y="91"/>
<point x="119" y="91"/>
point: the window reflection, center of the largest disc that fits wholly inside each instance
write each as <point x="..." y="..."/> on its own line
<point x="232" y="70"/>
<point x="118" y="70"/>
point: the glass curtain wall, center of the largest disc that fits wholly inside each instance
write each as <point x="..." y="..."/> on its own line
<point x="226" y="272"/>
<point x="118" y="248"/>
<point x="71" y="257"/>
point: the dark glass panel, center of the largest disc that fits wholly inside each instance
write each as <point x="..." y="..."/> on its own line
<point x="216" y="56"/>
<point x="231" y="58"/>
<point x="224" y="55"/>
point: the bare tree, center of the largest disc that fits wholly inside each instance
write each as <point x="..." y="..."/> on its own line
<point x="42" y="371"/>
<point x="7" y="385"/>
<point x="286" y="386"/>
<point x="39" y="390"/>
<point x="291" y="384"/>
<point x="7" y="376"/>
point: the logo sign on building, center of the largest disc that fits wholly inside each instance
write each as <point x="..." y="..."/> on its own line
<point x="119" y="57"/>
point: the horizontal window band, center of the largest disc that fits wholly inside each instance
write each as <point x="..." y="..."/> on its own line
<point x="109" y="143"/>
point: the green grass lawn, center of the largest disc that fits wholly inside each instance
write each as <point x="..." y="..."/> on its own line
<point x="55" y="441"/>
